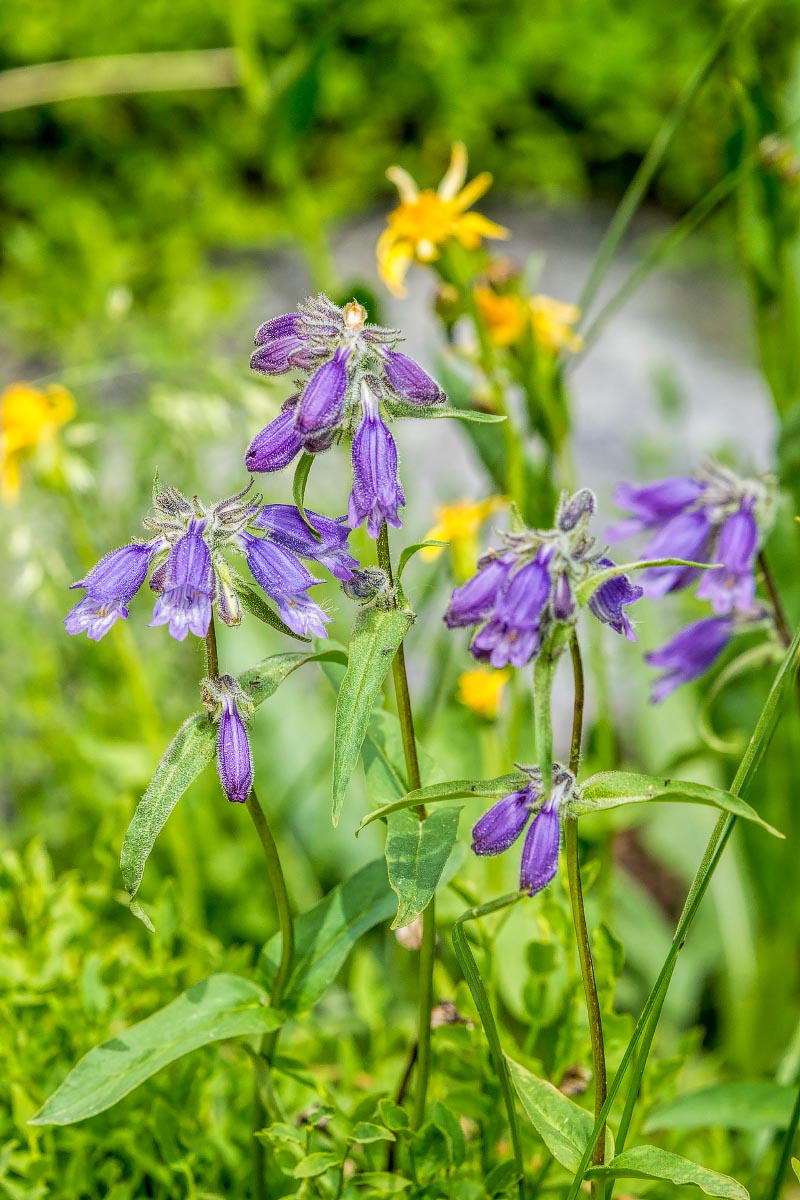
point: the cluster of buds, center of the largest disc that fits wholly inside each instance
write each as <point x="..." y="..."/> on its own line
<point x="713" y="517"/>
<point x="348" y="374"/>
<point x="506" y="820"/>
<point x="526" y="591"/>
<point x="191" y="573"/>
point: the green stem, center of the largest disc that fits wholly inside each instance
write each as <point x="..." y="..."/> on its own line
<point x="579" y="917"/>
<point x="268" y="1044"/>
<point x="786" y="1150"/>
<point x="475" y="983"/>
<point x="748" y="767"/>
<point x="428" y="947"/>
<point x="779" y="613"/>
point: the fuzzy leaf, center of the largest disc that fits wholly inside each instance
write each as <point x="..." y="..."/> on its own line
<point x="189" y="752"/>
<point x="376" y="637"/>
<point x="325" y="935"/>
<point x="416" y="853"/>
<point x="610" y="789"/>
<point x="651" y="1162"/>
<point x="436" y="792"/>
<point x="433" y="412"/>
<point x="220" y="1007"/>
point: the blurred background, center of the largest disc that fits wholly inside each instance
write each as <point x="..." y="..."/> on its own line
<point x="173" y="175"/>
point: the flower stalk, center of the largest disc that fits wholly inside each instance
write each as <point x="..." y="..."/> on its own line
<point x="579" y="917"/>
<point x="428" y="946"/>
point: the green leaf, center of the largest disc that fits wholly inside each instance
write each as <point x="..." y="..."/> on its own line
<point x="610" y="789"/>
<point x="543" y="671"/>
<point x="301" y="472"/>
<point x="379" y="1183"/>
<point x="433" y="412"/>
<point x="408" y="553"/>
<point x="220" y="1007"/>
<point x="189" y="752"/>
<point x="325" y="935"/>
<point x="563" y="1126"/>
<point x="416" y="852"/>
<point x="587" y="587"/>
<point x="257" y="607"/>
<point x="436" y="792"/>
<point x="745" y="1106"/>
<point x="315" y="1165"/>
<point x="376" y="638"/>
<point x="651" y="1162"/>
<point x="365" y="1132"/>
<point x="393" y="1116"/>
<point x="796" y="1168"/>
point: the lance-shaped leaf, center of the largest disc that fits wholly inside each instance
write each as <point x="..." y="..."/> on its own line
<point x="325" y="935"/>
<point x="610" y="789"/>
<point x="491" y="789"/>
<point x="563" y="1126"/>
<point x="416" y="853"/>
<point x="651" y="1162"/>
<point x="436" y="412"/>
<point x="376" y="637"/>
<point x="304" y="465"/>
<point x="191" y="750"/>
<point x="220" y="1007"/>
<point x="587" y="587"/>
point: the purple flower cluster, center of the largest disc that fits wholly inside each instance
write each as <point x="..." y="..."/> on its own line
<point x="712" y="517"/>
<point x="348" y="373"/>
<point x="506" y="820"/>
<point x="522" y="592"/>
<point x="190" y="573"/>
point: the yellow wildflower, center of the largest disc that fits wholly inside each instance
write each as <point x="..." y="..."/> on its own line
<point x="425" y="220"/>
<point x="459" y="524"/>
<point x="29" y="419"/>
<point x="504" y="316"/>
<point x="482" y="690"/>
<point x="508" y="315"/>
<point x="552" y="322"/>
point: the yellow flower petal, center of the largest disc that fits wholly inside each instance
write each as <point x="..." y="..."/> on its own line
<point x="394" y="256"/>
<point x="478" y="187"/>
<point x="456" y="173"/>
<point x="406" y="186"/>
<point x="471" y="227"/>
<point x="29" y="418"/>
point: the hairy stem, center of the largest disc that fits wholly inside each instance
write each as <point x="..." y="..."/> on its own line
<point x="428" y="948"/>
<point x="268" y="1045"/>
<point x="781" y="623"/>
<point x="579" y="917"/>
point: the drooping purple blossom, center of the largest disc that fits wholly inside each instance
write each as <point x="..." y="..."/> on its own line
<point x="475" y="599"/>
<point x="653" y="504"/>
<point x="540" y="850"/>
<point x="732" y="585"/>
<point x="284" y="524"/>
<point x="690" y="654"/>
<point x="276" y="445"/>
<point x="409" y="381"/>
<point x="376" y="494"/>
<point x="321" y="404"/>
<point x="609" y="601"/>
<point x="563" y="601"/>
<point x="234" y="760"/>
<point x="185" y="603"/>
<point x="284" y="578"/>
<point x="110" y="586"/>
<point x="511" y="636"/>
<point x="504" y="823"/>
